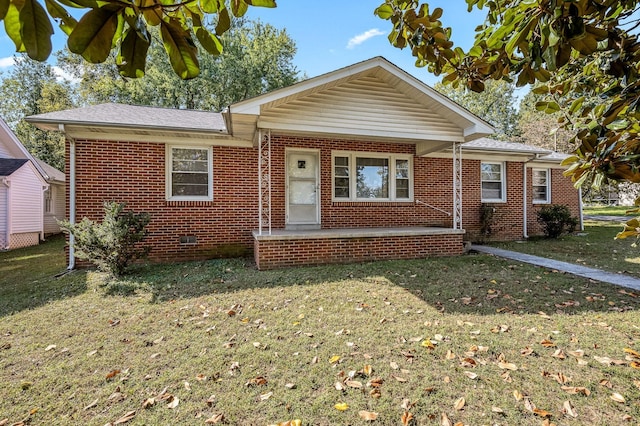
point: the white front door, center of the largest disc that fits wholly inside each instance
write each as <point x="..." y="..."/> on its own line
<point x="303" y="207"/>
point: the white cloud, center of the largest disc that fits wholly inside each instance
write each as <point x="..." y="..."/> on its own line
<point x="361" y="38"/>
<point x="62" y="75"/>
<point x="7" y="62"/>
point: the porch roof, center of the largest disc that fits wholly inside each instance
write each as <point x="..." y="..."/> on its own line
<point x="370" y="100"/>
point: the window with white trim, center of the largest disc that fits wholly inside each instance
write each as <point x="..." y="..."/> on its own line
<point x="48" y="201"/>
<point x="361" y="176"/>
<point x="492" y="179"/>
<point x="540" y="182"/>
<point x="189" y="173"/>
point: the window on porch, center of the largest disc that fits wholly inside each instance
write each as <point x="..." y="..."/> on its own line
<point x="372" y="176"/>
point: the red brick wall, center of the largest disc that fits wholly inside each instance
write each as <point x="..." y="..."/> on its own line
<point x="134" y="173"/>
<point x="433" y="179"/>
<point x="562" y="192"/>
<point x="270" y="254"/>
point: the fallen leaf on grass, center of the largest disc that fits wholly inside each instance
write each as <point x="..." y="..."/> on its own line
<point x="548" y="343"/>
<point x="576" y="390"/>
<point x="471" y="375"/>
<point x="173" y="402"/>
<point x="216" y="418"/>
<point x="406" y="418"/>
<point x="427" y="344"/>
<point x="507" y="366"/>
<point x="93" y="404"/>
<point x="542" y="413"/>
<point x="126" y="418"/>
<point x="290" y="385"/>
<point x="618" y="398"/>
<point x="497" y="410"/>
<point x="256" y="381"/>
<point x="399" y="379"/>
<point x="3" y="422"/>
<point x="50" y="348"/>
<point x="632" y="352"/>
<point x="568" y="409"/>
<point x="266" y="396"/>
<point x="296" y="422"/>
<point x="444" y="420"/>
<point x="353" y="384"/>
<point x="148" y="403"/>
<point x="111" y="374"/>
<point x="459" y="404"/>
<point x="341" y="406"/>
<point x="368" y="415"/>
<point x="375" y="393"/>
<point x="334" y="359"/>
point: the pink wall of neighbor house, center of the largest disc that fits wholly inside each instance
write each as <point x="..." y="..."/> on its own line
<point x="135" y="173"/>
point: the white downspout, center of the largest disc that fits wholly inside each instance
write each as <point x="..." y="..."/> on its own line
<point x="581" y="213"/>
<point x="7" y="231"/>
<point x="72" y="197"/>
<point x="525" y="231"/>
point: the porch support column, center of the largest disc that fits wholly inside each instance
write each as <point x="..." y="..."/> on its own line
<point x="264" y="182"/>
<point x="457" y="185"/>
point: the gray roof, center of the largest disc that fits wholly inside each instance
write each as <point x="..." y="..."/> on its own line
<point x="10" y="165"/>
<point x="135" y="116"/>
<point x="487" y="144"/>
<point x="52" y="172"/>
<point x="554" y="156"/>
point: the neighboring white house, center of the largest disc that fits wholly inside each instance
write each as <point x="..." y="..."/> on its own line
<point x="32" y="194"/>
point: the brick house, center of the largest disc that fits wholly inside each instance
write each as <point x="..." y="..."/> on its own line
<point x="362" y="163"/>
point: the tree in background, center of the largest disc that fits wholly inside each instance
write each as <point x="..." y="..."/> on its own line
<point x="540" y="129"/>
<point x="31" y="87"/>
<point x="572" y="51"/>
<point x="257" y="58"/>
<point x="496" y="105"/>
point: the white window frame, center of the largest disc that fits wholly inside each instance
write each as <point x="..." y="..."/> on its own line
<point x="352" y="156"/>
<point x="169" y="170"/>
<point x="503" y="183"/>
<point x="48" y="201"/>
<point x="547" y="200"/>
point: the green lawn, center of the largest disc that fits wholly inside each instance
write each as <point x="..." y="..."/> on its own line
<point x="595" y="247"/>
<point x="473" y="339"/>
<point x="607" y="210"/>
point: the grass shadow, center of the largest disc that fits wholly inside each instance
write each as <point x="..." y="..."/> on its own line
<point x="468" y="284"/>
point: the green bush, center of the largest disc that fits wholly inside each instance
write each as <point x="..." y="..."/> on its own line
<point x="112" y="244"/>
<point x="556" y="219"/>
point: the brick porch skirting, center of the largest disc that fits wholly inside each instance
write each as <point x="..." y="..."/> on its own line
<point x="283" y="248"/>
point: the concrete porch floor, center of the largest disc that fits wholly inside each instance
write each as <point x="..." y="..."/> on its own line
<point x="289" y="234"/>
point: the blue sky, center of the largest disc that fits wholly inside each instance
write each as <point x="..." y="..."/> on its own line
<point x="331" y="34"/>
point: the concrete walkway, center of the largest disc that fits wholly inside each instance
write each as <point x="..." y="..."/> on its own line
<point x="581" y="271"/>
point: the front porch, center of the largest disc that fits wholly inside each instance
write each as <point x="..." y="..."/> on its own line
<point x="283" y="248"/>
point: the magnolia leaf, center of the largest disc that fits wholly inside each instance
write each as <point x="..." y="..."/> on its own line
<point x="13" y="26"/>
<point x="93" y="35"/>
<point x="385" y="11"/>
<point x="341" y="406"/>
<point x="183" y="53"/>
<point x="209" y="41"/>
<point x="36" y="30"/>
<point x="67" y="22"/>
<point x="262" y="3"/>
<point x="459" y="403"/>
<point x="239" y="8"/>
<point x="507" y="366"/>
<point x="632" y="352"/>
<point x="173" y="402"/>
<point x="4" y="6"/>
<point x="334" y="359"/>
<point x="224" y="21"/>
<point x="209" y="6"/>
<point x="132" y="58"/>
<point x="353" y="384"/>
<point x="471" y="375"/>
<point x="368" y="415"/>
